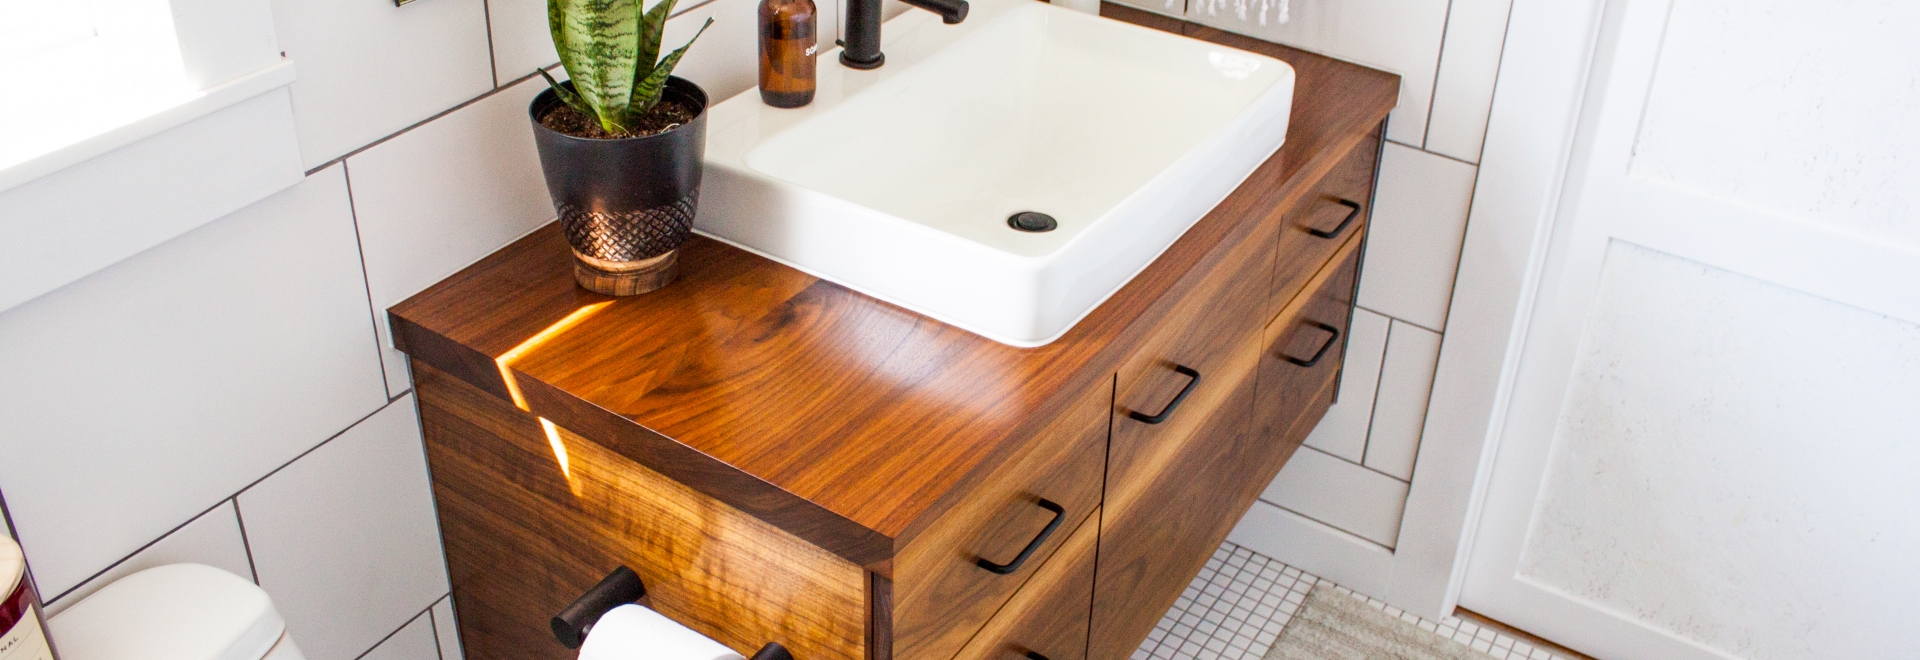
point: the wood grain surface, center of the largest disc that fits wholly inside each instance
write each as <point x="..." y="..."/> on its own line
<point x="1049" y="614"/>
<point x="532" y="516"/>
<point x="1174" y="494"/>
<point x="1168" y="505"/>
<point x="942" y="594"/>
<point x="1296" y="333"/>
<point x="845" y="421"/>
<point x="1299" y="254"/>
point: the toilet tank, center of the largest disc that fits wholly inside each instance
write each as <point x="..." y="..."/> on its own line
<point x="175" y="612"/>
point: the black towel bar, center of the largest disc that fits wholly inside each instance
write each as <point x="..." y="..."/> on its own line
<point x="618" y="588"/>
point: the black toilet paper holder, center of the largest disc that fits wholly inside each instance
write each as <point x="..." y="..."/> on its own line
<point x="620" y="587"/>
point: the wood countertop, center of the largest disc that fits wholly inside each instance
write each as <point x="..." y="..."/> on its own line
<point x="845" y="420"/>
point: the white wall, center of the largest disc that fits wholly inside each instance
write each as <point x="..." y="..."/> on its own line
<point x="227" y="397"/>
<point x="1337" y="509"/>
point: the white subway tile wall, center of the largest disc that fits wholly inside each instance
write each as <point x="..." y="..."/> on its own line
<point x="1400" y="407"/>
<point x="443" y="628"/>
<point x="368" y="68"/>
<point x="345" y="538"/>
<point x="521" y="41"/>
<point x="1237" y="606"/>
<point x="1401" y="36"/>
<point x="1419" y="220"/>
<point x="1463" y="90"/>
<point x="415" y="641"/>
<point x="726" y="61"/>
<point x="1343" y="432"/>
<point x="142" y="395"/>
<point x="1340" y="493"/>
<point x="432" y="200"/>
<point x="213" y="539"/>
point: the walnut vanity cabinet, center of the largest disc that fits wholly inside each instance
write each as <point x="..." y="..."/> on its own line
<point x="782" y="459"/>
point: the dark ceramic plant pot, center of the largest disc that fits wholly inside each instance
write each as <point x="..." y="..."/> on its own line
<point x="625" y="204"/>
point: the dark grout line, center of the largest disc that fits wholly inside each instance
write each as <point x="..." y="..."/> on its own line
<point x="1373" y="407"/>
<point x="1423" y="150"/>
<point x="366" y="282"/>
<point x="493" y="59"/>
<point x="433" y="623"/>
<point x="1396" y="318"/>
<point x="498" y="86"/>
<point x="234" y="498"/>
<point x="1426" y="129"/>
<point x="245" y="543"/>
<point x="1323" y="522"/>
<point x="463" y="104"/>
<point x="312" y="449"/>
<point x="143" y="548"/>
<point x="1362" y="466"/>
<point x="416" y="617"/>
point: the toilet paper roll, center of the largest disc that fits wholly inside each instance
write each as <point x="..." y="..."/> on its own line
<point x="632" y="632"/>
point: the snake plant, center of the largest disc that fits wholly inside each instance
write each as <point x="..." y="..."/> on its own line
<point x="609" y="49"/>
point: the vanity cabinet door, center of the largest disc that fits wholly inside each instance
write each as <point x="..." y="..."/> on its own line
<point x="1179" y="499"/>
<point x="952" y="577"/>
<point x="1183" y="402"/>
<point x="1048" y="616"/>
<point x="1305" y="346"/>
<point x="1313" y="229"/>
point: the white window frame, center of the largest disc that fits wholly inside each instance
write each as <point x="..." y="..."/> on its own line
<point x="172" y="114"/>
<point x="137" y="68"/>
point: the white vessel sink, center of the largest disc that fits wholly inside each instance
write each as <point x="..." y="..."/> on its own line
<point x="898" y="182"/>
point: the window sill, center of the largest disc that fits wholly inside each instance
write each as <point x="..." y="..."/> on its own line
<point x="39" y="139"/>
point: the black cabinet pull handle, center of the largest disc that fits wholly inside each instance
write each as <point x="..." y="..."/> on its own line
<point x="1059" y="514"/>
<point x="1353" y="211"/>
<point x="1333" y="337"/>
<point x="1183" y="370"/>
<point x="1035" y="655"/>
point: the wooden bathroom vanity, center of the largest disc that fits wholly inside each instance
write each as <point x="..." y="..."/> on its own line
<point x="783" y="459"/>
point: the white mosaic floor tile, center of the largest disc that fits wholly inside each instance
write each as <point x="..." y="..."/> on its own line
<point x="1236" y="607"/>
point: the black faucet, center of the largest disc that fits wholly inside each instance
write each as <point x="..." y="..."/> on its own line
<point x="862" y="42"/>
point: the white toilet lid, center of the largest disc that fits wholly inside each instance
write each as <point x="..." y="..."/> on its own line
<point x="176" y="612"/>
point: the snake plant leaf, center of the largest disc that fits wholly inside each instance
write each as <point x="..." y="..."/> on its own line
<point x="647" y="93"/>
<point x="653" y="25"/>
<point x="566" y="95"/>
<point x="599" y="42"/>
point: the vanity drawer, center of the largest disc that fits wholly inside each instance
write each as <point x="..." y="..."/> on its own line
<point x="1336" y="210"/>
<point x="1048" y="616"/>
<point x="1304" y="347"/>
<point x="952" y="577"/>
<point x="1181" y="375"/>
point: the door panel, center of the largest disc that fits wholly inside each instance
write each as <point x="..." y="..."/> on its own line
<point x="1711" y="425"/>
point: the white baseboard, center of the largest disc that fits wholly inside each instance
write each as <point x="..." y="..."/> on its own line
<point x="1354" y="562"/>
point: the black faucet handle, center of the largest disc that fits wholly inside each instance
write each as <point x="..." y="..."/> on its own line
<point x="950" y="11"/>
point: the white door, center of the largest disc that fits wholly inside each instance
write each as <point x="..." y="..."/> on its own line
<point x="1713" y="444"/>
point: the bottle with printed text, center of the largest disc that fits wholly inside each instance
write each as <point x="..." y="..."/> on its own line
<point x="789" y="50"/>
<point x="22" y="637"/>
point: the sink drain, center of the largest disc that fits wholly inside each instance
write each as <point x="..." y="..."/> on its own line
<point x="1032" y="221"/>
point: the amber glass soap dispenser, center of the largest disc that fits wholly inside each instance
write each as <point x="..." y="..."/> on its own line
<point x="788" y="52"/>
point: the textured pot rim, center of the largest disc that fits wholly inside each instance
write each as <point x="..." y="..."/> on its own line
<point x="546" y="98"/>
